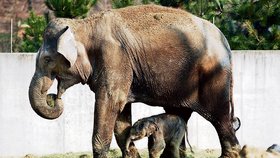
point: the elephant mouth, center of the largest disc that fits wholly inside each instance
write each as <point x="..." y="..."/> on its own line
<point x="51" y="99"/>
<point x="135" y="138"/>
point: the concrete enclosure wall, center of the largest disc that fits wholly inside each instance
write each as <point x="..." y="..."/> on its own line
<point x="22" y="131"/>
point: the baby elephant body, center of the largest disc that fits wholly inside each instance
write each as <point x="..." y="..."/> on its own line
<point x="165" y="133"/>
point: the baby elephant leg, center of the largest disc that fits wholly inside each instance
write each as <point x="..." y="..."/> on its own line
<point x="175" y="151"/>
<point x="155" y="147"/>
<point x="172" y="150"/>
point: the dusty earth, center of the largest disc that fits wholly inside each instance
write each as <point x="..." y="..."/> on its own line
<point x="247" y="152"/>
<point x="116" y="153"/>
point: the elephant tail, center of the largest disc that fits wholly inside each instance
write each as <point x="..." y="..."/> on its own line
<point x="235" y="120"/>
<point x="186" y="138"/>
<point x="231" y="96"/>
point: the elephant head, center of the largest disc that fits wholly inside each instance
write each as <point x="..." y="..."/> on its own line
<point x="61" y="57"/>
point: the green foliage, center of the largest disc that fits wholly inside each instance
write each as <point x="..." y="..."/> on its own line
<point x="32" y="38"/>
<point x="70" y="8"/>
<point x="246" y="24"/>
<point x="171" y="3"/>
<point x="204" y="8"/>
<point x="167" y="3"/>
<point x="5" y="42"/>
<point x="121" y="3"/>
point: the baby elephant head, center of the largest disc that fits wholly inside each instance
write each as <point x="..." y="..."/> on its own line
<point x="141" y="129"/>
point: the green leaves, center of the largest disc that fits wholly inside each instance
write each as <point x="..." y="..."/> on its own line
<point x="34" y="28"/>
<point x="70" y="8"/>
<point x="121" y="3"/>
<point x="246" y="24"/>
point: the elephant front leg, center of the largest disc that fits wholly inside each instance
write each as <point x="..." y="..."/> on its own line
<point x="105" y="114"/>
<point x="122" y="128"/>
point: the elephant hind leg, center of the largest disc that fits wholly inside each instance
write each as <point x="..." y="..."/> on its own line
<point x="171" y="151"/>
<point x="229" y="143"/>
<point x="214" y="106"/>
<point x="226" y="132"/>
<point x="228" y="140"/>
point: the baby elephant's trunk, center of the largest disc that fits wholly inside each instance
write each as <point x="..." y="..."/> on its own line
<point x="128" y="141"/>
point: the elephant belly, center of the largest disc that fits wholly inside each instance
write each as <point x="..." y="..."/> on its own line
<point x="172" y="94"/>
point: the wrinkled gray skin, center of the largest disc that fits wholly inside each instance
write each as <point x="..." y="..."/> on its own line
<point x="151" y="54"/>
<point x="165" y="133"/>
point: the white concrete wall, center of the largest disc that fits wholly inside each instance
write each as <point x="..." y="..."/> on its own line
<point x="257" y="97"/>
<point x="22" y="131"/>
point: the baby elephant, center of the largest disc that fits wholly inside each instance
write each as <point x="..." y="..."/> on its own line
<point x="165" y="133"/>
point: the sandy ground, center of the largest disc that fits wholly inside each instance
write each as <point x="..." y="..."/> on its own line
<point x="116" y="153"/>
<point x="246" y="152"/>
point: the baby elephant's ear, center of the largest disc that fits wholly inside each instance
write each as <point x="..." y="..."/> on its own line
<point x="66" y="46"/>
<point x="155" y="126"/>
<point x="152" y="128"/>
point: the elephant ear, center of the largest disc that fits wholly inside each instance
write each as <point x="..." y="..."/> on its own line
<point x="66" y="46"/>
<point x="152" y="128"/>
<point x="155" y="126"/>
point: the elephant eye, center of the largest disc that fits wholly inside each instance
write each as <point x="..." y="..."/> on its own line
<point x="47" y="60"/>
<point x="141" y="126"/>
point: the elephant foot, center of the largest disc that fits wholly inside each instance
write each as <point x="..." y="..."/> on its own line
<point x="183" y="152"/>
<point x="232" y="153"/>
<point x="96" y="155"/>
<point x="132" y="153"/>
<point x="235" y="155"/>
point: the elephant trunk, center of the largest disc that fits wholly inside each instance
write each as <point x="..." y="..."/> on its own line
<point x="47" y="106"/>
<point x="128" y="141"/>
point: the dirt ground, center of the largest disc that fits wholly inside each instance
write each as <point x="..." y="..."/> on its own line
<point x="116" y="153"/>
<point x="246" y="152"/>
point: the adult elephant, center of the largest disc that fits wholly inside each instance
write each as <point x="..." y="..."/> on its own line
<point x="151" y="54"/>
